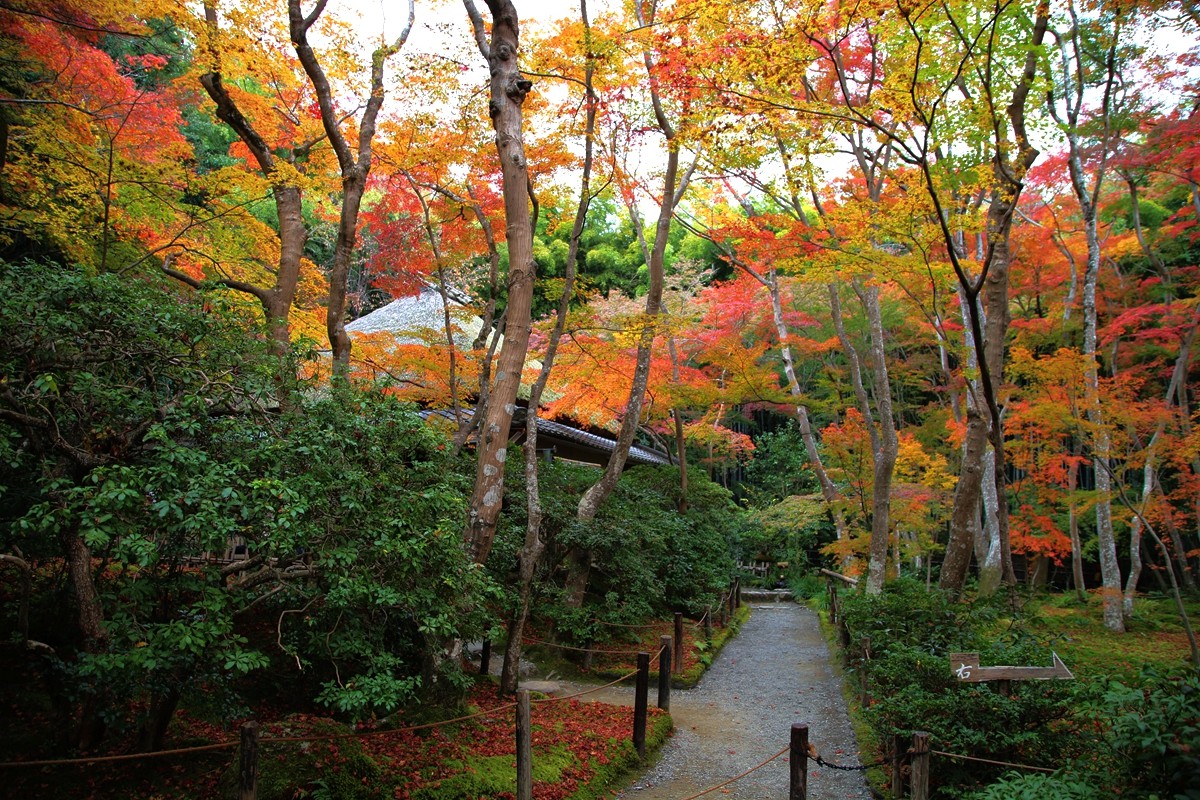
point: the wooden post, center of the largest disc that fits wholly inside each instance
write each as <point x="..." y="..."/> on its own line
<point x="708" y="625"/>
<point x="639" y="703"/>
<point x="897" y="766"/>
<point x="798" y="763"/>
<point x="677" y="662"/>
<point x="485" y="657"/>
<point x="920" y="766"/>
<point x="664" y="673"/>
<point x="248" y="762"/>
<point x="732" y="596"/>
<point x="737" y="593"/>
<point x="833" y="601"/>
<point x="524" y="747"/>
<point x="588" y="654"/>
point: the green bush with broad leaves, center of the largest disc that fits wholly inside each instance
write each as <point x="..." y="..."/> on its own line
<point x="1104" y="737"/>
<point x="1139" y="739"/>
<point x="912" y="631"/>
<point x="647" y="558"/>
<point x="145" y="433"/>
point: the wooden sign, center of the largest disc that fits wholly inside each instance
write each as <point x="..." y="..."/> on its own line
<point x="965" y="667"/>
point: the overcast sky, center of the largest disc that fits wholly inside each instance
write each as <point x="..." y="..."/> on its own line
<point x="435" y="15"/>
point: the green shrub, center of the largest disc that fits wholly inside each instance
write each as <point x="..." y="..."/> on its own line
<point x="908" y="678"/>
<point x="1150" y="740"/>
<point x="1037" y="786"/>
<point x="646" y="558"/>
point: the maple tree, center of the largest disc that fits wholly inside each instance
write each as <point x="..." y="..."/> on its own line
<point x="745" y="213"/>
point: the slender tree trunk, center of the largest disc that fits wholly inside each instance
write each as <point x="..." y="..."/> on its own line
<point x="508" y="90"/>
<point x="671" y="191"/>
<point x="158" y="719"/>
<point x="973" y="474"/>
<point x="599" y="491"/>
<point x="1071" y="81"/>
<point x="681" y="504"/>
<point x="89" y="728"/>
<point x="991" y="572"/>
<point x="1135" y="532"/>
<point x="996" y="301"/>
<point x="829" y="491"/>
<point x="967" y="497"/>
<point x="1110" y="570"/>
<point x="534" y="546"/>
<point x="276" y="300"/>
<point x="1073" y="526"/>
<point x="354" y="170"/>
<point x="88" y="609"/>
<point x="293" y="236"/>
<point x="888" y="444"/>
<point x="1011" y="160"/>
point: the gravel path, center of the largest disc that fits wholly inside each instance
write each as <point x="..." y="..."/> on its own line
<point x="776" y="671"/>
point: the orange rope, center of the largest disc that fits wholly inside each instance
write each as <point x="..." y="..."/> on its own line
<point x="586" y="691"/>
<point x="126" y="757"/>
<point x="738" y="777"/>
<point x="645" y="626"/>
<point x="264" y="740"/>
<point x="990" y="761"/>
<point x="585" y="649"/>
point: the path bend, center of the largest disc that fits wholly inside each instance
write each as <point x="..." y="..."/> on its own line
<point x="776" y="671"/>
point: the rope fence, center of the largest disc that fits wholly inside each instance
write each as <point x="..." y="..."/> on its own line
<point x="738" y="777"/>
<point x="250" y="740"/>
<point x="961" y="757"/>
<point x="592" y="690"/>
<point x="317" y="737"/>
<point x="847" y="767"/>
<point x="593" y="650"/>
<point x="642" y="627"/>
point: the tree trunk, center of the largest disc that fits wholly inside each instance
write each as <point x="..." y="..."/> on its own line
<point x="1073" y="525"/>
<point x="888" y="445"/>
<point x="89" y="727"/>
<point x="967" y="496"/>
<point x="991" y="572"/>
<point x="1072" y="84"/>
<point x="829" y="491"/>
<point x="508" y="90"/>
<point x="293" y="236"/>
<point x="531" y="551"/>
<point x="158" y="720"/>
<point x="671" y="190"/>
<point x="89" y="612"/>
<point x="335" y="313"/>
<point x="354" y="170"/>
<point x="1011" y="160"/>
<point x="276" y="300"/>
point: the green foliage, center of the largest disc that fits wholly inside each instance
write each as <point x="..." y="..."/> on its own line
<point x="912" y="631"/>
<point x="377" y="507"/>
<point x="1037" y="786"/>
<point x="1141" y="739"/>
<point x="490" y="776"/>
<point x="779" y="468"/>
<point x="1151" y="745"/>
<point x="331" y="769"/>
<point x="908" y="614"/>
<point x="787" y="530"/>
<point x="138" y="431"/>
<point x="647" y="558"/>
